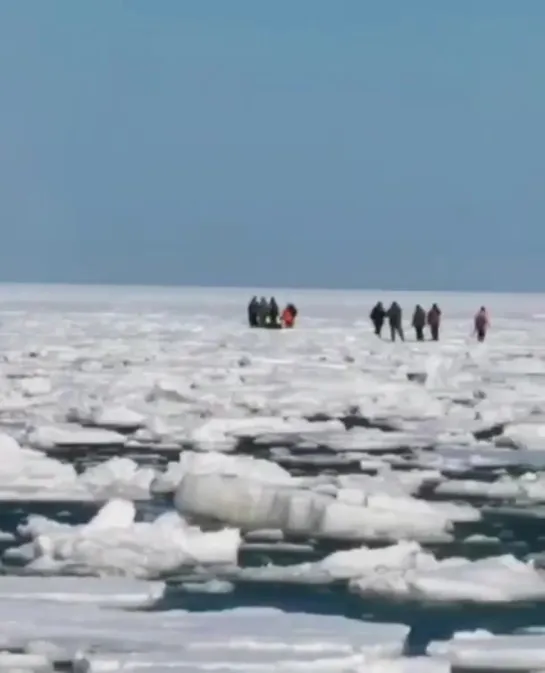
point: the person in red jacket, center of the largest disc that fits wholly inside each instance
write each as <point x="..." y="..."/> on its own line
<point x="288" y="316"/>
<point x="482" y="323"/>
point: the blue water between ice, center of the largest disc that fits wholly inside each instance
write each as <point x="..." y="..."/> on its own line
<point x="427" y="622"/>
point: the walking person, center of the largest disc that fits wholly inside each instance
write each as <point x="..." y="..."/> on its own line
<point x="482" y="324"/>
<point x="434" y="321"/>
<point x="377" y="317"/>
<point x="419" y="322"/>
<point x="395" y="319"/>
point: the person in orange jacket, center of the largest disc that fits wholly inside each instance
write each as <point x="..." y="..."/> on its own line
<point x="288" y="316"/>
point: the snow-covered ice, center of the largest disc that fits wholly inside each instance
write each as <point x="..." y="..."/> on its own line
<point x="112" y="543"/>
<point x="69" y="626"/>
<point x="372" y="462"/>
<point x="180" y="366"/>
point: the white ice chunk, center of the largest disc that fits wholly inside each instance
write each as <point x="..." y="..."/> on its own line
<point x="113" y="544"/>
<point x="119" y="478"/>
<point x="108" y="417"/>
<point x="493" y="580"/>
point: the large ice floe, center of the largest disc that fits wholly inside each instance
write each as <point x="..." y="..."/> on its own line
<point x="233" y="640"/>
<point x="254" y="495"/>
<point x="150" y="436"/>
<point x="112" y="543"/>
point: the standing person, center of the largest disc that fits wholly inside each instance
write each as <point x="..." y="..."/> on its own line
<point x="482" y="323"/>
<point x="262" y="312"/>
<point x="377" y="316"/>
<point x="253" y="309"/>
<point x="274" y="312"/>
<point x="288" y="316"/>
<point x="395" y="318"/>
<point x="419" y="322"/>
<point x="434" y="321"/>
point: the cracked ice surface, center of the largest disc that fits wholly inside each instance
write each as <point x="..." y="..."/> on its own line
<point x="384" y="451"/>
<point x="99" y="367"/>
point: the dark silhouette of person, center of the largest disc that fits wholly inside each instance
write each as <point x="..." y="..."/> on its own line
<point x="377" y="317"/>
<point x="274" y="312"/>
<point x="419" y="322"/>
<point x="262" y="312"/>
<point x="253" y="310"/>
<point x="434" y="321"/>
<point x="482" y="323"/>
<point x="395" y="319"/>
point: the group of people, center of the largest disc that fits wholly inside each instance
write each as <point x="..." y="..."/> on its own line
<point x="263" y="313"/>
<point x="266" y="313"/>
<point x="421" y="318"/>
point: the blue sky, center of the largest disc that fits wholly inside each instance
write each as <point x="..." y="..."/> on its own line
<point x="348" y="143"/>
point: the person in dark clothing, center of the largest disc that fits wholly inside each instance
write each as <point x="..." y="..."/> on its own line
<point x="262" y="312"/>
<point x="377" y="316"/>
<point x="274" y="312"/>
<point x="395" y="319"/>
<point x="482" y="323"/>
<point x="253" y="310"/>
<point x="419" y="322"/>
<point x="434" y="321"/>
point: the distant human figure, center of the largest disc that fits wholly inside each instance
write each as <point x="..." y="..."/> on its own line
<point x="482" y="324"/>
<point x="274" y="312"/>
<point x="434" y="321"/>
<point x="377" y="317"/>
<point x="288" y="316"/>
<point x="419" y="322"/>
<point x="262" y="312"/>
<point x="253" y="310"/>
<point x="395" y="319"/>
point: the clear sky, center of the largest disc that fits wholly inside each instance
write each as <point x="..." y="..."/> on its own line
<point x="330" y="143"/>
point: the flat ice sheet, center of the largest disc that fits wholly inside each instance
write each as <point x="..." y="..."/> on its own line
<point x="229" y="639"/>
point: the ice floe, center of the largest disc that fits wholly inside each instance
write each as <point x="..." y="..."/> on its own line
<point x="240" y="496"/>
<point x="502" y="580"/>
<point x="407" y="573"/>
<point x="112" y="543"/>
<point x="29" y="474"/>
<point x="231" y="640"/>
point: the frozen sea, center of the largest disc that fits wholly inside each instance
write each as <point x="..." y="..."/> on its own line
<point x="179" y="492"/>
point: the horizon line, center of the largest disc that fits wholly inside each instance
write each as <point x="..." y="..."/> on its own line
<point x="258" y="288"/>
